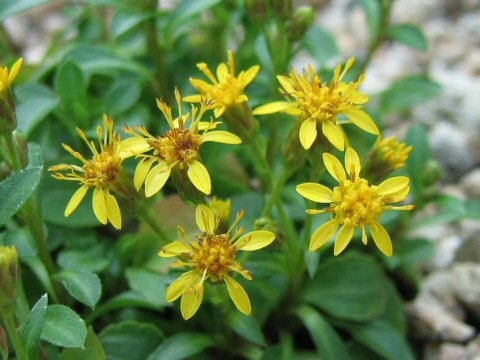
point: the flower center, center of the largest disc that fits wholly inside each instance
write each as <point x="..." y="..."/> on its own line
<point x="356" y="203"/>
<point x="214" y="253"/>
<point x="178" y="145"/>
<point x="227" y="91"/>
<point x="102" y="169"/>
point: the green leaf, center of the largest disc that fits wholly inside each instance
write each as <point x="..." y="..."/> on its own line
<point x="182" y="346"/>
<point x="35" y="102"/>
<point x="321" y="44"/>
<point x="32" y="329"/>
<point x="130" y="340"/>
<point x="122" y="95"/>
<point x="348" y="287"/>
<point x="312" y="260"/>
<point x="9" y="8"/>
<point x="381" y="338"/>
<point x="410" y="35"/>
<point x="183" y="13"/>
<point x="35" y="155"/>
<point x="148" y="284"/>
<point x="408" y="92"/>
<point x="63" y="327"/>
<point x="83" y="286"/>
<point x="373" y="13"/>
<point x="127" y="19"/>
<point x="91" y="260"/>
<point x="328" y="343"/>
<point x="93" y="349"/>
<point x="71" y="87"/>
<point x="16" y="190"/>
<point x="417" y="136"/>
<point x="247" y="327"/>
<point x="98" y="60"/>
<point x="59" y="193"/>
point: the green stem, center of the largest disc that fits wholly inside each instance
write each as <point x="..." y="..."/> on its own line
<point x="12" y="152"/>
<point x="9" y="321"/>
<point x="380" y="36"/>
<point x="160" y="80"/>
<point x="276" y="192"/>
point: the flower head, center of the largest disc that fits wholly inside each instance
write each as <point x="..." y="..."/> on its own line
<point x="354" y="203"/>
<point x="391" y="153"/>
<point x="178" y="148"/>
<point x="100" y="172"/>
<point x="213" y="256"/>
<point x="8" y="76"/>
<point x="226" y="89"/>
<point x="317" y="103"/>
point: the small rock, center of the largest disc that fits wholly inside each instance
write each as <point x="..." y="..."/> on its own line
<point x="451" y="147"/>
<point x="471" y="183"/>
<point x="466" y="285"/>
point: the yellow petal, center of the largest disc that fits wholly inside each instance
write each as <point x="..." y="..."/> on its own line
<point x="205" y="219"/>
<point x="343" y="238"/>
<point x="198" y="175"/>
<point x="15" y="70"/>
<point x="99" y="205"/>
<point x="224" y="137"/>
<point x="360" y="118"/>
<point x="133" y="146"/>
<point x="156" y="179"/>
<point x="222" y="72"/>
<point x="238" y="295"/>
<point x="247" y="76"/>
<point x="191" y="301"/>
<point x="398" y="196"/>
<point x="352" y="163"/>
<point x="322" y="235"/>
<point x="141" y="172"/>
<point x="334" y="167"/>
<point x="219" y="111"/>
<point x="315" y="192"/>
<point x="175" y="248"/>
<point x="180" y="285"/>
<point x="274" y="107"/>
<point x="286" y="84"/>
<point x="193" y="98"/>
<point x="359" y="98"/>
<point x="308" y="133"/>
<point x="255" y="240"/>
<point x="76" y="200"/>
<point x="333" y="134"/>
<point x="393" y="185"/>
<point x="113" y="210"/>
<point x="382" y="239"/>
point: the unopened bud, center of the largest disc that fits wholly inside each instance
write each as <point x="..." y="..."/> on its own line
<point x="432" y="173"/>
<point x="301" y="21"/>
<point x="8" y="275"/>
<point x="256" y="10"/>
<point x="222" y="209"/>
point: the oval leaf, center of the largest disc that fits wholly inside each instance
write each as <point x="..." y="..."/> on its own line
<point x="32" y="329"/>
<point x="181" y="346"/>
<point x="16" y="190"/>
<point x="63" y="327"/>
<point x="83" y="286"/>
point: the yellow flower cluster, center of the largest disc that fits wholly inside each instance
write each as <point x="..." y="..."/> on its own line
<point x="213" y="255"/>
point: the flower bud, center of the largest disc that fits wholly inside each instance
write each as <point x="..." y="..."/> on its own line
<point x="8" y="275"/>
<point x="300" y="22"/>
<point x="222" y="209"/>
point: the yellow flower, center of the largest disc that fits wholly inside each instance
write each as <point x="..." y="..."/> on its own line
<point x="7" y="77"/>
<point x="212" y="256"/>
<point x="100" y="172"/>
<point x="354" y="203"/>
<point x="317" y="103"/>
<point x="226" y="89"/>
<point x="179" y="147"/>
<point x="391" y="152"/>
